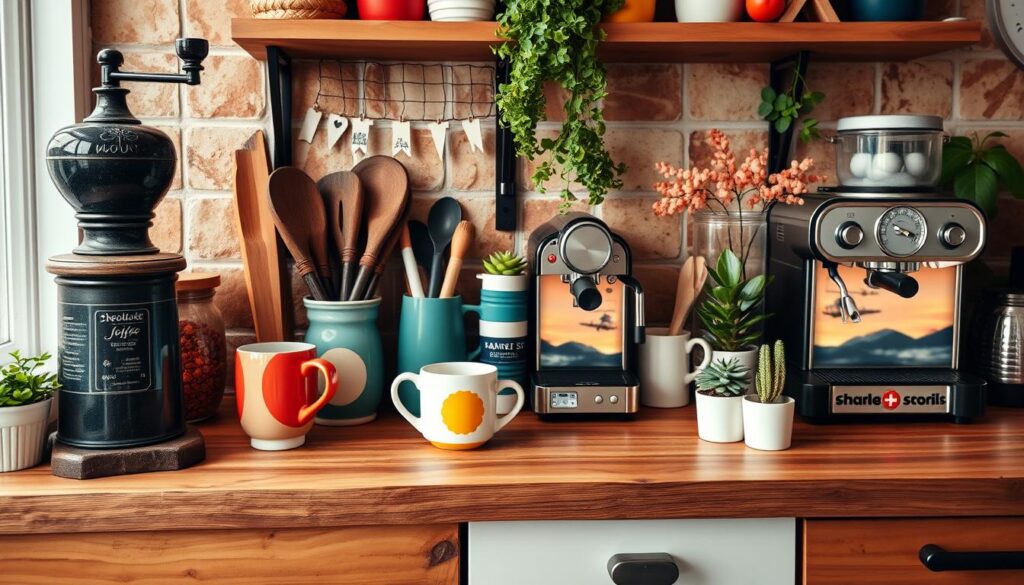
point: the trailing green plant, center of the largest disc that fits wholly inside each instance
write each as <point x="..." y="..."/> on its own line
<point x="20" y="384"/>
<point x="771" y="372"/>
<point x="731" y="310"/>
<point x="784" y="109"/>
<point x="977" y="171"/>
<point x="725" y="377"/>
<point x="556" y="40"/>
<point x="505" y="264"/>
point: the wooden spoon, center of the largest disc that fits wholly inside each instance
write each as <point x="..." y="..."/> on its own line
<point x="386" y="194"/>
<point x="343" y="191"/>
<point x="462" y="241"/>
<point x="266" y="276"/>
<point x="299" y="217"/>
<point x="691" y="281"/>
<point x="388" y="250"/>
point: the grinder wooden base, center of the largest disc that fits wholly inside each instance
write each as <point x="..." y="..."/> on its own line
<point x="77" y="463"/>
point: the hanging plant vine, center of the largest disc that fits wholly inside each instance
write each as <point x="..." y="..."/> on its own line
<point x="556" y="40"/>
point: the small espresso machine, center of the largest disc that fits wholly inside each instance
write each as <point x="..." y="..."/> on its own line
<point x="588" y="318"/>
<point x="867" y="281"/>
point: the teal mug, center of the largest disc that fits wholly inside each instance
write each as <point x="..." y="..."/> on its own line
<point x="430" y="331"/>
<point x="346" y="334"/>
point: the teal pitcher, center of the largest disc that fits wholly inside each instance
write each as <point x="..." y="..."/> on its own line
<point x="430" y="331"/>
<point x="345" y="334"/>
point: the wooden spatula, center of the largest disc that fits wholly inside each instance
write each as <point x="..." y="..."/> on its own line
<point x="299" y="216"/>
<point x="462" y="241"/>
<point x="266" y="276"/>
<point x="385" y="195"/>
<point x="692" y="276"/>
<point x="386" y="252"/>
<point x="343" y="192"/>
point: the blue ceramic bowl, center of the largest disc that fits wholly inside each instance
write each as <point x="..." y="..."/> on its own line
<point x="886" y="10"/>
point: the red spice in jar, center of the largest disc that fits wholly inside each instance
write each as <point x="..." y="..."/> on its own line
<point x="203" y="370"/>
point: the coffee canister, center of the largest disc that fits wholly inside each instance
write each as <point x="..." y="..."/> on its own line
<point x="118" y="352"/>
<point x="504" y="331"/>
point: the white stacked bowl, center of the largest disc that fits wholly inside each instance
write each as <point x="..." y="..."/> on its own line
<point x="461" y="10"/>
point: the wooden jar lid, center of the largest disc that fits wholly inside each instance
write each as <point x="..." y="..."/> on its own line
<point x="195" y="281"/>
<point x="139" y="265"/>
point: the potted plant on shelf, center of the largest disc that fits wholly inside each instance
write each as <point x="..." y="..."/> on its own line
<point x="720" y="390"/>
<point x="25" y="398"/>
<point x="729" y="200"/>
<point x="557" y="40"/>
<point x="504" y="321"/>
<point x="768" y="415"/>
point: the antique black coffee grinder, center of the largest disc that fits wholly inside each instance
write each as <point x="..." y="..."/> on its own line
<point x="119" y="354"/>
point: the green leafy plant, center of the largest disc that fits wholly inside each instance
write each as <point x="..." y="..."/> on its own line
<point x="771" y="372"/>
<point x="505" y="264"/>
<point x="977" y="171"/>
<point x="731" y="309"/>
<point x="723" y="378"/>
<point x="556" y="40"/>
<point x="784" y="109"/>
<point x="20" y="384"/>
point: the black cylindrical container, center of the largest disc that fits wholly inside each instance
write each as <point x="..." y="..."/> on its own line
<point x="119" y="356"/>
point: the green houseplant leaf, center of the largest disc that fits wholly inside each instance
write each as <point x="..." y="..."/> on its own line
<point x="978" y="183"/>
<point x="731" y="310"/>
<point x="1007" y="168"/>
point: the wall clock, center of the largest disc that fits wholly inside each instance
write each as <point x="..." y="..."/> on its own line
<point x="1006" y="19"/>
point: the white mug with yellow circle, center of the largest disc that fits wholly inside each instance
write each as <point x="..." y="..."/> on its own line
<point x="457" y="403"/>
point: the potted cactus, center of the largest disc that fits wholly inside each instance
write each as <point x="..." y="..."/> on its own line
<point x="768" y="415"/>
<point x="720" y="390"/>
<point x="504" y="321"/>
<point x="25" y="398"/>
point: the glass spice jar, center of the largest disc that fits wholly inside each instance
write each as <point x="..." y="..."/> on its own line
<point x="203" y="345"/>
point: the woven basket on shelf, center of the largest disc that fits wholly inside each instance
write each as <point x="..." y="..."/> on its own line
<point x="298" y="9"/>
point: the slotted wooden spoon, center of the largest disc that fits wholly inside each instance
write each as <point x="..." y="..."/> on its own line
<point x="343" y="198"/>
<point x="300" y="219"/>
<point x="385" y="196"/>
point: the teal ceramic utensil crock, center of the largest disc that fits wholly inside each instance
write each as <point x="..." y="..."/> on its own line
<point x="345" y="334"/>
<point x="430" y="331"/>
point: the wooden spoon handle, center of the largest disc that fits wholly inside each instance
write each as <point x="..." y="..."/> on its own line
<point x="348" y="276"/>
<point x="683" y="287"/>
<point x="451" y="278"/>
<point x="362" y="283"/>
<point x="316" y="289"/>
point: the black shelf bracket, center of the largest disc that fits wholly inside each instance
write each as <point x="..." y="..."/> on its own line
<point x="279" y="73"/>
<point x="505" y="213"/>
<point x="780" y="78"/>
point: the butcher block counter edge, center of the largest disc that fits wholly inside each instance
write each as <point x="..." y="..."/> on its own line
<point x="653" y="467"/>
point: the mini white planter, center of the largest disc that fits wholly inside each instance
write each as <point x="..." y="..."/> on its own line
<point x="747" y="359"/>
<point x="461" y="10"/>
<point x="709" y="10"/>
<point x="720" y="418"/>
<point x="768" y="427"/>
<point x="23" y="435"/>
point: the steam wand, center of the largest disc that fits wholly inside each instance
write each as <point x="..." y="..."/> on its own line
<point x="847" y="306"/>
<point x="640" y="322"/>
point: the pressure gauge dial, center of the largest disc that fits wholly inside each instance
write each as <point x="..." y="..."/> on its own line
<point x="902" y="231"/>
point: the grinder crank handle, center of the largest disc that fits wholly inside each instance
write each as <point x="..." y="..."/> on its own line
<point x="640" y="322"/>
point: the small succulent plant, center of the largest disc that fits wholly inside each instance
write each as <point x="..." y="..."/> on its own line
<point x="724" y="378"/>
<point x="771" y="372"/>
<point x="505" y="264"/>
<point x="21" y="385"/>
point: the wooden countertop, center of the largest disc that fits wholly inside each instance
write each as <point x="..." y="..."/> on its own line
<point x="652" y="467"/>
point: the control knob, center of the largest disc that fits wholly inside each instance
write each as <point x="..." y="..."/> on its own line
<point x="952" y="235"/>
<point x="849" y="235"/>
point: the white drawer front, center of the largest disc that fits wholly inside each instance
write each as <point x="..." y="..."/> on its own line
<point x="707" y="552"/>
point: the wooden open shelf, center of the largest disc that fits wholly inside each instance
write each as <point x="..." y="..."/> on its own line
<point x="660" y="42"/>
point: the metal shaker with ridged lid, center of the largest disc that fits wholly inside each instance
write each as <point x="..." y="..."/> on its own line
<point x="1001" y="350"/>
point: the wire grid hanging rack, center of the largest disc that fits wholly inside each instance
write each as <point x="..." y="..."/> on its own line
<point x="407" y="92"/>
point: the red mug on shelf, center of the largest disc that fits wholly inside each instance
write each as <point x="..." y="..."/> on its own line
<point x="392" y="9"/>
<point x="276" y="392"/>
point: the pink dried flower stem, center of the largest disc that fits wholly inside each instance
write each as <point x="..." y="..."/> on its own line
<point x="725" y="185"/>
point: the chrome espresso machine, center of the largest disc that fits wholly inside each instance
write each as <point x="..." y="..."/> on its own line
<point x="868" y="280"/>
<point x="588" y="319"/>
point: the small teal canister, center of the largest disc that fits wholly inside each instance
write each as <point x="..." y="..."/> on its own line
<point x="430" y="331"/>
<point x="504" y="331"/>
<point x="346" y="334"/>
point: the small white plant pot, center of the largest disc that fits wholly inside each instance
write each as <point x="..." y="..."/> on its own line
<point x="747" y="359"/>
<point x="768" y="427"/>
<point x="23" y="435"/>
<point x="719" y="418"/>
<point x="709" y="10"/>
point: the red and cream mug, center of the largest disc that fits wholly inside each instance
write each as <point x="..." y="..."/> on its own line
<point x="276" y="392"/>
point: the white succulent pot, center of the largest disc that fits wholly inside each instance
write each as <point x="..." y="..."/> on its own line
<point x="747" y="359"/>
<point x="709" y="10"/>
<point x="719" y="418"/>
<point x="768" y="427"/>
<point x="461" y="10"/>
<point x="23" y="435"/>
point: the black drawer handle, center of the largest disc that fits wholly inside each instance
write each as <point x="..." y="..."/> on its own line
<point x="938" y="559"/>
<point x="643" y="569"/>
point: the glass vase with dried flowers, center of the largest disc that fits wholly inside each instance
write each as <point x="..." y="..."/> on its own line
<point x="728" y="200"/>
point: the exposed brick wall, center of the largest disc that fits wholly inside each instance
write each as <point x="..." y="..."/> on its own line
<point x="655" y="112"/>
